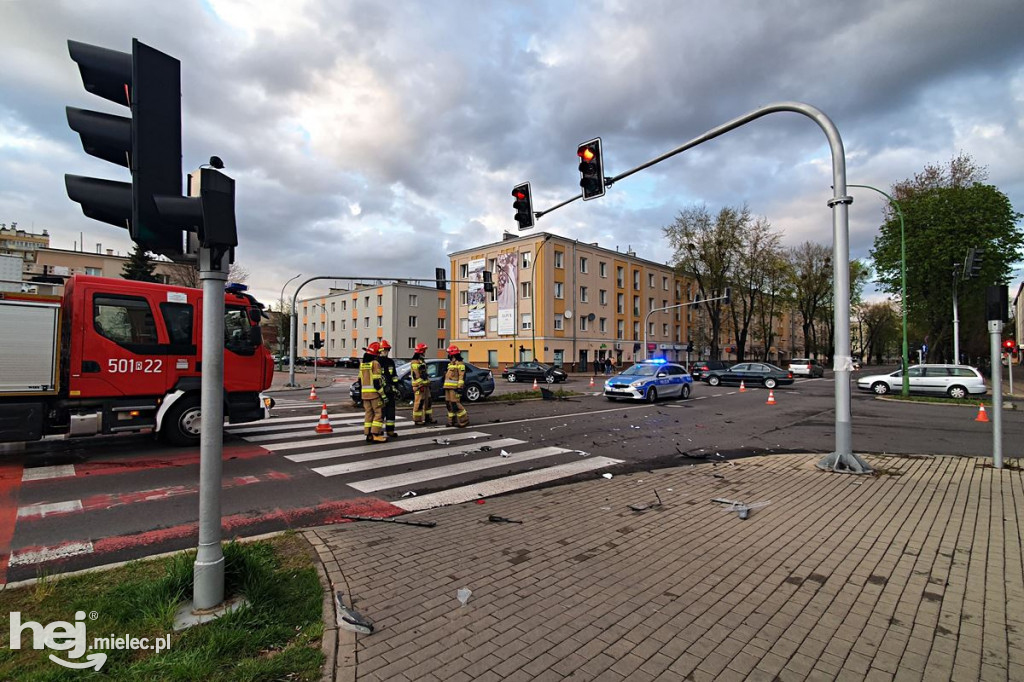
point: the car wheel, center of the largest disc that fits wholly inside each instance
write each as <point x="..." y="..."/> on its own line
<point x="770" y="383"/>
<point x="473" y="393"/>
<point x="550" y="378"/>
<point x="880" y="388"/>
<point x="685" y="393"/>
<point x="511" y="378"/>
<point x="714" y="381"/>
<point x="183" y="422"/>
<point x="958" y="392"/>
<point x="652" y="394"/>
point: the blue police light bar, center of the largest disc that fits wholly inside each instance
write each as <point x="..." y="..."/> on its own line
<point x="657" y="361"/>
<point x="235" y="287"/>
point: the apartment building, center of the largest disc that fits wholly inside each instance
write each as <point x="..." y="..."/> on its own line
<point x="565" y="302"/>
<point x="349" y="320"/>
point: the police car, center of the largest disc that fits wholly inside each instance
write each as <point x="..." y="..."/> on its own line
<point x="650" y="380"/>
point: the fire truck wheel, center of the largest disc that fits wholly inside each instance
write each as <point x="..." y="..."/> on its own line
<point x="183" y="422"/>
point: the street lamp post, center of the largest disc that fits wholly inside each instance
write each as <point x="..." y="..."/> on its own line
<point x="281" y="320"/>
<point x="903" y="278"/>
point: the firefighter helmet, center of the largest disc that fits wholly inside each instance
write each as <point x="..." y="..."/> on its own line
<point x="420" y="348"/>
<point x="373" y="348"/>
<point x="384" y="345"/>
<point x="453" y="349"/>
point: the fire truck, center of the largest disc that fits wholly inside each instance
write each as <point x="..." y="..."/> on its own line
<point x="117" y="356"/>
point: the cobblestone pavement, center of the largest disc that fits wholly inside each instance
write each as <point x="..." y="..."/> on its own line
<point x="914" y="573"/>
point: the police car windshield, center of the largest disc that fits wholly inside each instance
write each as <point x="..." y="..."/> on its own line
<point x="643" y="370"/>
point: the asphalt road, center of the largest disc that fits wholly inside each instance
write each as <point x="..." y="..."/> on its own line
<point x="72" y="504"/>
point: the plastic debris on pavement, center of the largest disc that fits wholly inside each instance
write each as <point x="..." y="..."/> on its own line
<point x="505" y="453"/>
<point x="442" y="441"/>
<point x="606" y="476"/>
<point x="409" y="494"/>
<point x="582" y="454"/>
<point x="494" y="518"/>
<point x="351" y="619"/>
<point x="463" y="595"/>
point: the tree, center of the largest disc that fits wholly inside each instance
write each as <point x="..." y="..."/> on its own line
<point x="947" y="209"/>
<point x="880" y="329"/>
<point x="771" y="295"/>
<point x="811" y="272"/>
<point x="187" y="274"/>
<point x="757" y="248"/>
<point x="139" y="267"/>
<point x="706" y="250"/>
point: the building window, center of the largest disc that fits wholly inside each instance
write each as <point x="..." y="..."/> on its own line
<point x="650" y="329"/>
<point x="527" y="289"/>
<point x="583" y="323"/>
<point x="380" y="299"/>
<point x="602" y="296"/>
<point x="463" y="298"/>
<point x="620" y="277"/>
<point x="636" y="331"/>
<point x="559" y="290"/>
<point x="442" y="304"/>
<point x="492" y="324"/>
<point x="95" y="272"/>
<point x="602" y="269"/>
<point x="664" y="329"/>
<point x="380" y="320"/>
<point x="343" y="325"/>
<point x="636" y="279"/>
<point x="584" y="295"/>
<point x="441" y="344"/>
<point x="636" y="305"/>
<point x="620" y="303"/>
<point x="332" y="326"/>
<point x="412" y="342"/>
<point x="442" y="323"/>
<point x="464" y="324"/>
<point x="366" y="322"/>
<point x="366" y="301"/>
<point x="664" y="283"/>
<point x="414" y="301"/>
<point x="344" y="305"/>
<point x="558" y="323"/>
<point x="603" y="325"/>
<point x="527" y="321"/>
<point x="620" y="330"/>
<point x="558" y="259"/>
<point x="650" y="280"/>
<point x="332" y="306"/>
<point x="650" y="304"/>
<point x="583" y="264"/>
<point x="464" y="271"/>
<point x="412" y="320"/>
<point x="525" y="265"/>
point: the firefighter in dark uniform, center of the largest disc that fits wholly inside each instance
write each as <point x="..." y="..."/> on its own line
<point x="371" y="390"/>
<point x="422" y="410"/>
<point x="454" y="383"/>
<point x="390" y="376"/>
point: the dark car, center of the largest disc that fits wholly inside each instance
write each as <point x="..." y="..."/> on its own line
<point x="525" y="371"/>
<point x="751" y="374"/>
<point x="324" y="362"/>
<point x="351" y="363"/>
<point x="699" y="369"/>
<point x="479" y="382"/>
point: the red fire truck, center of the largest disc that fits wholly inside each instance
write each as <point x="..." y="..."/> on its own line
<point x="117" y="356"/>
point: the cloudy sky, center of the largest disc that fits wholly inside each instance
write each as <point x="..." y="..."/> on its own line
<point x="373" y="138"/>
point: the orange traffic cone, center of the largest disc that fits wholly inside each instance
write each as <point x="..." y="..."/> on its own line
<point x="325" y="424"/>
<point x="982" y="415"/>
<point x="535" y="386"/>
<point x="771" y="397"/>
<point x="591" y="382"/>
<point x="312" y="393"/>
<point x="743" y="389"/>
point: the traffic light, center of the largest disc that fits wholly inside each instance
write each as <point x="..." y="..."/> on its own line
<point x="973" y="263"/>
<point x="317" y="341"/>
<point x="488" y="281"/>
<point x="523" y="206"/>
<point x="1010" y="346"/>
<point x="148" y="144"/>
<point x="728" y="295"/>
<point x="591" y="169"/>
<point x="441" y="278"/>
<point x="689" y="346"/>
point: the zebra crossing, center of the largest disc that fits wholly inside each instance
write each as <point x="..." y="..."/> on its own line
<point x="438" y="457"/>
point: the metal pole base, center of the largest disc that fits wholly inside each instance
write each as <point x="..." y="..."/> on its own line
<point x="844" y="463"/>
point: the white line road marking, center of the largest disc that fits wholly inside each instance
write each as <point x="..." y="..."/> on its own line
<point x="397" y="460"/>
<point x="378" y="447"/>
<point x="38" y="556"/>
<point x="334" y="440"/>
<point x="503" y="485"/>
<point x="414" y="477"/>
<point x="42" y="510"/>
<point x="44" y="473"/>
<point x="282" y="431"/>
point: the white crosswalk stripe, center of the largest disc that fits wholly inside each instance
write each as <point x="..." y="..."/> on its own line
<point x="423" y="457"/>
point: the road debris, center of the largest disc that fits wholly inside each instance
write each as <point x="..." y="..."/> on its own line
<point x="494" y="518"/>
<point x="351" y="619"/>
<point x="410" y="493"/>
<point x="505" y="453"/>
<point x="741" y="508"/>
<point x="645" y="507"/>
<point x="463" y="595"/>
<point x="401" y="522"/>
<point x="608" y="476"/>
<point x="442" y="441"/>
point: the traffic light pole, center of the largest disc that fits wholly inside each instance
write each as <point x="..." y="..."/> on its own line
<point x="208" y="588"/>
<point x="995" y="332"/>
<point x="678" y="305"/>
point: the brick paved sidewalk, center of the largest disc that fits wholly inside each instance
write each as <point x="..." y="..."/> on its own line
<point x="840" y="577"/>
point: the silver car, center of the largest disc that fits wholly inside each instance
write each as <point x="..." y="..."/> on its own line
<point x="955" y="381"/>
<point x="806" y="367"/>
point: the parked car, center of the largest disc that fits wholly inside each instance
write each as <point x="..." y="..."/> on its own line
<point x="700" y="368"/>
<point x="955" y="381"/>
<point x="525" y="371"/>
<point x="807" y="367"/>
<point x="650" y="380"/>
<point x="325" y="362"/>
<point x="750" y="373"/>
<point x="479" y="382"/>
<point x="351" y="363"/>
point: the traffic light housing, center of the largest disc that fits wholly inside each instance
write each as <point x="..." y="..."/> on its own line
<point x="488" y="281"/>
<point x="523" y="205"/>
<point x="148" y="144"/>
<point x="591" y="169"/>
<point x="441" y="278"/>
<point x="728" y="295"/>
<point x="318" y="342"/>
<point x="1010" y="346"/>
<point x="973" y="262"/>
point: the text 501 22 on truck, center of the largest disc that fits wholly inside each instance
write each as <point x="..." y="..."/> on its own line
<point x="114" y="356"/>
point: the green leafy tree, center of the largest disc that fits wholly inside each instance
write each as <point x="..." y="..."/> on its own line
<point x="758" y="248"/>
<point x="948" y="209"/>
<point x="811" y="272"/>
<point x="139" y="267"/>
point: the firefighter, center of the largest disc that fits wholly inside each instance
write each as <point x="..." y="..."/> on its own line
<point x="454" y="383"/>
<point x="422" y="410"/>
<point x="371" y="391"/>
<point x="389" y="376"/>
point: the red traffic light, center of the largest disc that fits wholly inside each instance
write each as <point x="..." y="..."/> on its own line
<point x="1009" y="344"/>
<point x="586" y="153"/>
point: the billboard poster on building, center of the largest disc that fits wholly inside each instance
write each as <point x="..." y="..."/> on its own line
<point x="477" y="299"/>
<point x="505" y="285"/>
